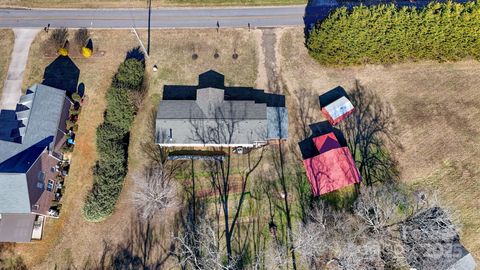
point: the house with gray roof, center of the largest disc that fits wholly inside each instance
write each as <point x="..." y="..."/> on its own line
<point x="31" y="138"/>
<point x="431" y="242"/>
<point x="214" y="115"/>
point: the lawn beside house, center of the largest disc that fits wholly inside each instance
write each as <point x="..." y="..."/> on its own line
<point x="6" y="47"/>
<point x="172" y="52"/>
<point x="61" y="235"/>
<point x="434" y="105"/>
<point x="436" y="109"/>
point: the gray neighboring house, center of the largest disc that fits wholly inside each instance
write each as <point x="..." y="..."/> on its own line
<point x="432" y="243"/>
<point x="210" y="120"/>
<point x="31" y="138"/>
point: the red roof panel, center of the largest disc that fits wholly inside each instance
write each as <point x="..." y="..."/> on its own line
<point x="333" y="168"/>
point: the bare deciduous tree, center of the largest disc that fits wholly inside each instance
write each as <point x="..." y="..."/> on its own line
<point x="199" y="250"/>
<point x="304" y="117"/>
<point x="431" y="239"/>
<point x="59" y="37"/>
<point x="81" y="36"/>
<point x="378" y="207"/>
<point x="221" y="131"/>
<point x="155" y="192"/>
<point x="276" y="256"/>
<point x="337" y="240"/>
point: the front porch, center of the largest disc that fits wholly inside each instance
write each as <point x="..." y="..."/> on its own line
<point x="38" y="228"/>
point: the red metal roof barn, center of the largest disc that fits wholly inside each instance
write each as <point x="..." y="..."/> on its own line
<point x="333" y="168"/>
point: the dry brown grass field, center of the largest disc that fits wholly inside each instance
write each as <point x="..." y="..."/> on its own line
<point x="6" y="47"/>
<point x="436" y="109"/>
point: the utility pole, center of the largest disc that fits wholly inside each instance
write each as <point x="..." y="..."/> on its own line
<point x="149" y="16"/>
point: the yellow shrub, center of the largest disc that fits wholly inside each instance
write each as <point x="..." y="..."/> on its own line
<point x="63" y="52"/>
<point x="86" y="52"/>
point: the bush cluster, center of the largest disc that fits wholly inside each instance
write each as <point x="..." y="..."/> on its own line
<point x="112" y="144"/>
<point x="388" y="34"/>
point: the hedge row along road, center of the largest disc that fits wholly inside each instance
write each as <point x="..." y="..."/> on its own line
<point x="387" y="34"/>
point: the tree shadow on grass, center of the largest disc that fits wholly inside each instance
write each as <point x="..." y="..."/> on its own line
<point x="63" y="74"/>
<point x="142" y="248"/>
<point x="136" y="53"/>
<point x="370" y="133"/>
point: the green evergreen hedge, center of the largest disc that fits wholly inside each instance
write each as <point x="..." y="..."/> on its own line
<point x="387" y="34"/>
<point x="112" y="145"/>
<point x="130" y="74"/>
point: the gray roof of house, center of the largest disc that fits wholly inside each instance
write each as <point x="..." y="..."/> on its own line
<point x="208" y="131"/>
<point x="207" y="119"/>
<point x="38" y="114"/>
<point x="210" y="104"/>
<point x="14" y="196"/>
<point x="433" y="245"/>
<point x="277" y="123"/>
<point x="16" y="227"/>
<point x="467" y="262"/>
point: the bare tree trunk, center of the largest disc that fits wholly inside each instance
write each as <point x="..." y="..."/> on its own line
<point x="194" y="195"/>
<point x="287" y="209"/>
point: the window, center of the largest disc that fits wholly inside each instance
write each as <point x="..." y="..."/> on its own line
<point x="41" y="176"/>
<point x="50" y="185"/>
<point x="40" y="185"/>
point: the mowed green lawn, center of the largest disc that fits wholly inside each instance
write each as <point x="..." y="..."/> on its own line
<point x="138" y="4"/>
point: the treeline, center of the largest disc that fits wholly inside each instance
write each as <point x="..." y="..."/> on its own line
<point x="388" y="34"/>
<point x="113" y="139"/>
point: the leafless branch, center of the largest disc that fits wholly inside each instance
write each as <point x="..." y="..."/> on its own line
<point x="154" y="192"/>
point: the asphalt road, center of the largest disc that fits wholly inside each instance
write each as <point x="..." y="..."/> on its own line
<point x="160" y="18"/>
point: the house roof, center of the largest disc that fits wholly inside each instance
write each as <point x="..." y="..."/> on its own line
<point x="16" y="227"/>
<point x="37" y="116"/>
<point x="333" y="168"/>
<point x="338" y="108"/>
<point x="432" y="243"/>
<point x="467" y="262"/>
<point x="21" y="162"/>
<point x="214" y="79"/>
<point x="14" y="196"/>
<point x="210" y="119"/>
<point x="277" y="118"/>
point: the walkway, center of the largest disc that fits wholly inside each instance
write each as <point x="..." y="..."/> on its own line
<point x="12" y="89"/>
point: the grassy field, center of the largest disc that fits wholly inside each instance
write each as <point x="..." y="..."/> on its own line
<point x="172" y="52"/>
<point x="139" y="4"/>
<point x="436" y="108"/>
<point x="6" y="47"/>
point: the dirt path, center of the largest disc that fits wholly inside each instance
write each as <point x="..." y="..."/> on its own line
<point x="268" y="70"/>
<point x="12" y="89"/>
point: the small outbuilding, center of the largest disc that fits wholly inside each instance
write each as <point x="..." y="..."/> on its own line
<point x="332" y="166"/>
<point x="338" y="110"/>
